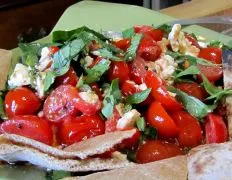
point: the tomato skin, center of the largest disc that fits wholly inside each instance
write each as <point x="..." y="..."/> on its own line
<point x="190" y="134"/>
<point x="156" y="150"/>
<point x="130" y="142"/>
<point x="159" y="119"/>
<point x="155" y="34"/>
<point x="118" y="70"/>
<point x="149" y="49"/>
<point x="68" y="78"/>
<point x="123" y="44"/>
<point x="192" y="89"/>
<point x="80" y="128"/>
<point x="212" y="54"/>
<point x="29" y="126"/>
<point x="192" y="40"/>
<point x="128" y="88"/>
<point x="61" y="103"/>
<point x="53" y="49"/>
<point x="21" y="101"/>
<point x="213" y="73"/>
<point x="142" y="28"/>
<point x="111" y="124"/>
<point x="215" y="129"/>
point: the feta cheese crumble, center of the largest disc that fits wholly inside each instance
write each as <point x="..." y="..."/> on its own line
<point x="89" y="97"/>
<point x="45" y="60"/>
<point x="87" y="61"/>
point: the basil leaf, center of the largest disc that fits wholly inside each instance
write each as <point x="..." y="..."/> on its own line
<point x="192" y="70"/>
<point x="80" y="81"/>
<point x="2" y="111"/>
<point x="150" y="132"/>
<point x="128" y="33"/>
<point x="138" y="97"/>
<point x="215" y="43"/>
<point x="141" y="124"/>
<point x="193" y="105"/>
<point x="49" y="80"/>
<point x="127" y="108"/>
<point x="95" y="73"/>
<point x="131" y="155"/>
<point x="131" y="51"/>
<point x="105" y="53"/>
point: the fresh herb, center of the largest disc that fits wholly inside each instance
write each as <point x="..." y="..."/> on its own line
<point x="128" y="33"/>
<point x="131" y="155"/>
<point x="112" y="98"/>
<point x="105" y="53"/>
<point x="57" y="175"/>
<point x="150" y="132"/>
<point x="95" y="73"/>
<point x="138" y="97"/>
<point x="131" y="51"/>
<point x="215" y="43"/>
<point x="141" y="124"/>
<point x="49" y="80"/>
<point x="80" y="81"/>
<point x="192" y="70"/>
<point x="165" y="27"/>
<point x="2" y="111"/>
<point x="127" y="108"/>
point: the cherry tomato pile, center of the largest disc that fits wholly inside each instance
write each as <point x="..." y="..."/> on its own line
<point x="64" y="116"/>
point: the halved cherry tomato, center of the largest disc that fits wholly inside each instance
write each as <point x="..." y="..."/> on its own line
<point x="53" y="49"/>
<point x="128" y="88"/>
<point x="131" y="142"/>
<point x="190" y="134"/>
<point x="215" y="129"/>
<point x="68" y="78"/>
<point x="159" y="119"/>
<point x="212" y="54"/>
<point x="118" y="70"/>
<point x="137" y="70"/>
<point x="155" y="34"/>
<point x="123" y="44"/>
<point x="142" y="28"/>
<point x="61" y="103"/>
<point x="192" y="40"/>
<point x="156" y="150"/>
<point x="149" y="49"/>
<point x="213" y="73"/>
<point x="29" y="126"/>
<point x="160" y="93"/>
<point x="21" y="101"/>
<point x="80" y="128"/>
<point x="111" y="124"/>
<point x="193" y="89"/>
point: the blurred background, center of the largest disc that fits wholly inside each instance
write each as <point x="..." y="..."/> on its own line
<point x="28" y="20"/>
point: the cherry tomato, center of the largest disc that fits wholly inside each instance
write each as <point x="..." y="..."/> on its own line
<point x="213" y="73"/>
<point x="128" y="88"/>
<point x="193" y="89"/>
<point x="190" y="134"/>
<point x="159" y="119"/>
<point x="192" y="40"/>
<point x="156" y="150"/>
<point x="111" y="124"/>
<point x="149" y="49"/>
<point x="137" y="70"/>
<point x="80" y="128"/>
<point x="142" y="28"/>
<point x="53" y="49"/>
<point x="160" y="93"/>
<point x="212" y="54"/>
<point x="61" y="103"/>
<point x="21" y="101"/>
<point x="130" y="142"/>
<point x="155" y="34"/>
<point x="123" y="44"/>
<point x="29" y="126"/>
<point x="68" y="78"/>
<point x="215" y="129"/>
<point x="118" y="70"/>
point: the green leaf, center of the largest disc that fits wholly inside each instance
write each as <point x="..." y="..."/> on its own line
<point x="141" y="124"/>
<point x="193" y="105"/>
<point x="131" y="51"/>
<point x="105" y="53"/>
<point x="57" y="175"/>
<point x="95" y="73"/>
<point x="150" y="132"/>
<point x="80" y="81"/>
<point x="128" y="33"/>
<point x="112" y="98"/>
<point x="192" y="70"/>
<point x="2" y="111"/>
<point x="215" y="43"/>
<point x="49" y="80"/>
<point x="165" y="27"/>
<point x="127" y="108"/>
<point x="138" y="97"/>
<point x="131" y="155"/>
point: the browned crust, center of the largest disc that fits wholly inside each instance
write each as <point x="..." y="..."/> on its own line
<point x="5" y="62"/>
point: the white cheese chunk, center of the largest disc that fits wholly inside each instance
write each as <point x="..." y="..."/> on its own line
<point x="128" y="119"/>
<point x="142" y="87"/>
<point x="163" y="45"/>
<point x="88" y="61"/>
<point x="20" y="76"/>
<point x="120" y="108"/>
<point x="45" y="60"/>
<point x="203" y="44"/>
<point x="39" y="84"/>
<point x="89" y="97"/>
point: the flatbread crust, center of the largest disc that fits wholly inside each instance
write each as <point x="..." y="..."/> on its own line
<point x="5" y="63"/>
<point x="81" y="150"/>
<point x="211" y="161"/>
<point x="167" y="169"/>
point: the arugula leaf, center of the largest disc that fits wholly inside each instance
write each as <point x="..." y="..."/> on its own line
<point x="105" y="53"/>
<point x="141" y="124"/>
<point x="2" y="111"/>
<point x="138" y="97"/>
<point x="131" y="51"/>
<point x="49" y="80"/>
<point x="193" y="105"/>
<point x="128" y="33"/>
<point x="112" y="98"/>
<point x="192" y="70"/>
<point x="95" y="73"/>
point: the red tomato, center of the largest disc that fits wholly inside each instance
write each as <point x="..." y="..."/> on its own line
<point x="215" y="129"/>
<point x="111" y="124"/>
<point x="137" y="70"/>
<point x="212" y="54"/>
<point x="93" y="46"/>
<point x="142" y="28"/>
<point x="149" y="49"/>
<point x="118" y="70"/>
<point x="131" y="142"/>
<point x="128" y="88"/>
<point x="160" y="93"/>
<point x="123" y="44"/>
<point x="193" y="89"/>
<point x="68" y="78"/>
<point x="159" y="119"/>
<point x="155" y="34"/>
<point x="80" y="128"/>
<point x="29" y="126"/>
<point x="96" y="61"/>
<point x="213" y="73"/>
<point x="190" y="134"/>
<point x="156" y="150"/>
<point x="61" y="103"/>
<point x="21" y="101"/>
<point x="192" y="40"/>
<point x="53" y="49"/>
